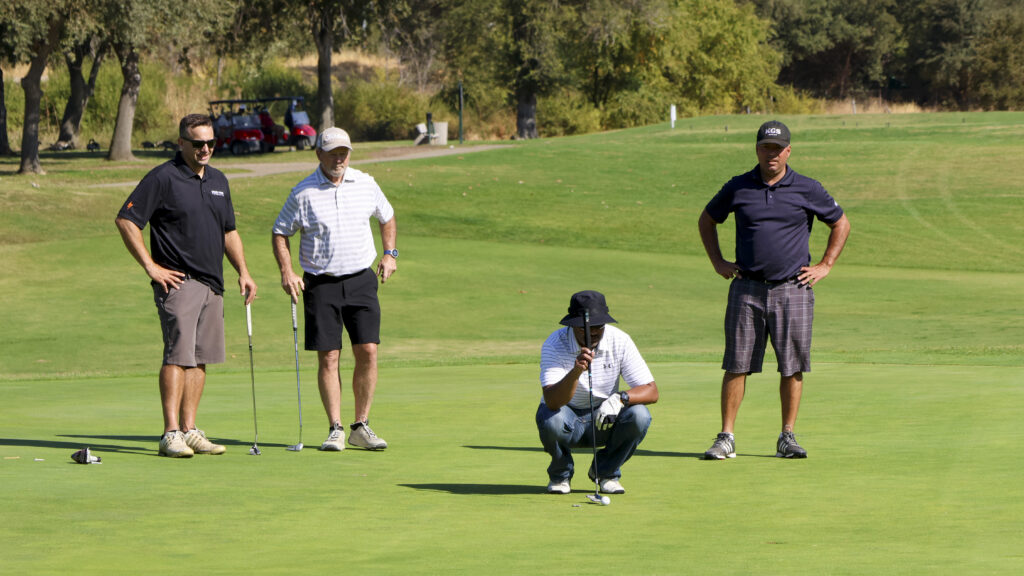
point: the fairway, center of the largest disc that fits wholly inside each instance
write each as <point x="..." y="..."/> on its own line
<point x="910" y="415"/>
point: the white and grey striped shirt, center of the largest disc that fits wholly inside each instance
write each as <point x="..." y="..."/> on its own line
<point x="334" y="221"/>
<point x="615" y="355"/>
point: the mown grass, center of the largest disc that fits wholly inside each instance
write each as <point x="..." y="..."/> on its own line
<point x="910" y="413"/>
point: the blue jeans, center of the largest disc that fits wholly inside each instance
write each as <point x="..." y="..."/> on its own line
<point x="567" y="428"/>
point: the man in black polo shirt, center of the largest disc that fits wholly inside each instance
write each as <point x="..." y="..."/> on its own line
<point x="187" y="204"/>
<point x="771" y="293"/>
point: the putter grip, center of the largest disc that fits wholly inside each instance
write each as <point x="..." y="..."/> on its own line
<point x="248" y="319"/>
<point x="586" y="328"/>
<point x="295" y="319"/>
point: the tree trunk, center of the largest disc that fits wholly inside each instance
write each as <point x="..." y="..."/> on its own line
<point x="31" y="84"/>
<point x="323" y="33"/>
<point x="81" y="92"/>
<point x="5" y="144"/>
<point x="526" y="114"/>
<point x="121" y="142"/>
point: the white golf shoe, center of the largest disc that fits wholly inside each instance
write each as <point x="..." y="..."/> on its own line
<point x="362" y="436"/>
<point x="560" y="487"/>
<point x="197" y="441"/>
<point x="172" y="445"/>
<point x="335" y="441"/>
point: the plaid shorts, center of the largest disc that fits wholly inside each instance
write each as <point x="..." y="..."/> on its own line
<point x="757" y="311"/>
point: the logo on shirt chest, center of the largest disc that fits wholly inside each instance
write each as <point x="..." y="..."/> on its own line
<point x="217" y="193"/>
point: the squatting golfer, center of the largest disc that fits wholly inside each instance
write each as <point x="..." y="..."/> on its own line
<point x="187" y="204"/>
<point x="771" y="293"/>
<point x="620" y="418"/>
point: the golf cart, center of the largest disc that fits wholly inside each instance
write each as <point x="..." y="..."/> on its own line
<point x="300" y="133"/>
<point x="236" y="126"/>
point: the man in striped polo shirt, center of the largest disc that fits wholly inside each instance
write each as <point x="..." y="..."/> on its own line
<point x="332" y="208"/>
<point x="564" y="417"/>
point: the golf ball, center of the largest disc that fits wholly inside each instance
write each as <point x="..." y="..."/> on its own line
<point x="606" y="500"/>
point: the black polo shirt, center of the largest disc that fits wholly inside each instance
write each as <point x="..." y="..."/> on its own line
<point x="773" y="223"/>
<point x="188" y="217"/>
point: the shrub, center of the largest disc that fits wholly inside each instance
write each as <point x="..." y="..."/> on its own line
<point x="567" y="112"/>
<point x="647" y="105"/>
<point x="381" y="109"/>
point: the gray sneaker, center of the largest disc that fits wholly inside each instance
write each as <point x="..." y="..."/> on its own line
<point x="362" y="435"/>
<point x="172" y="444"/>
<point x="724" y="447"/>
<point x="335" y="441"/>
<point x="788" y="448"/>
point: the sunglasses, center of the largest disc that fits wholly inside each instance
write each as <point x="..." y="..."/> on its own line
<point x="198" y="144"/>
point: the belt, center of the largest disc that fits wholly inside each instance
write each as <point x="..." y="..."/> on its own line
<point x="757" y="277"/>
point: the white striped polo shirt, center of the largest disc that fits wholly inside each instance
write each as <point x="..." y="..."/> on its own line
<point x="334" y="221"/>
<point x="616" y="355"/>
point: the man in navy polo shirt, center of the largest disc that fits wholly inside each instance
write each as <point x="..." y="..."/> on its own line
<point x="187" y="205"/>
<point x="771" y="293"/>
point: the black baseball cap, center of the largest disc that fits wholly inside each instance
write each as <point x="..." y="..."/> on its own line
<point x="591" y="301"/>
<point x="773" y="132"/>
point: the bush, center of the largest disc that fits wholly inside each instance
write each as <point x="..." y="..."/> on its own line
<point x="567" y="112"/>
<point x="273" y="79"/>
<point x="381" y="109"/>
<point x="647" y="105"/>
<point x="787" y="100"/>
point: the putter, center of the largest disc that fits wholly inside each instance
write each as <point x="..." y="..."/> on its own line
<point x="596" y="497"/>
<point x="298" y="388"/>
<point x="255" y="450"/>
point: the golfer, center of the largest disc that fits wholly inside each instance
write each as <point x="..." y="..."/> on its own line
<point x="771" y="294"/>
<point x="187" y="204"/>
<point x="332" y="208"/>
<point x="620" y="418"/>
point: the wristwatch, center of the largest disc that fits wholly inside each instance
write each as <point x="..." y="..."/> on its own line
<point x="624" y="396"/>
<point x="392" y="253"/>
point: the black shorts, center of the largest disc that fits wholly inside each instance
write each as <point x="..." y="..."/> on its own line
<point x="329" y="302"/>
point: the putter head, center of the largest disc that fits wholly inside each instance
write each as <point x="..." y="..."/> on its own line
<point x="254" y="451"/>
<point x="597" y="499"/>
<point x="295" y="447"/>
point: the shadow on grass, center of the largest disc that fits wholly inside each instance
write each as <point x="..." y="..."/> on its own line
<point x="639" y="452"/>
<point x="479" y="489"/>
<point x="116" y="444"/>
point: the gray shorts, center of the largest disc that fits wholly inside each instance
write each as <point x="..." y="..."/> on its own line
<point x="757" y="311"/>
<point x="192" y="321"/>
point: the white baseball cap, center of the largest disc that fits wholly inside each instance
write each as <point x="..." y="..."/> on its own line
<point x="332" y="138"/>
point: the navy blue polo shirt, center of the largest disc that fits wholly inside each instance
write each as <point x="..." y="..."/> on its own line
<point x="188" y="217"/>
<point x="773" y="223"/>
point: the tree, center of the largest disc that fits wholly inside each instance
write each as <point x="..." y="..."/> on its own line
<point x="834" y="47"/>
<point x="329" y="20"/>
<point x="140" y="27"/>
<point x="942" y="59"/>
<point x="6" y="55"/>
<point x="615" y="44"/>
<point x="35" y="35"/>
<point x="410" y="29"/>
<point x="1000" y="50"/>
<point x="94" y="48"/>
<point x="719" y="58"/>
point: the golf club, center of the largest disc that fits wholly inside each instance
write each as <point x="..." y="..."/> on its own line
<point x="255" y="450"/>
<point x="596" y="497"/>
<point x="298" y="388"/>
